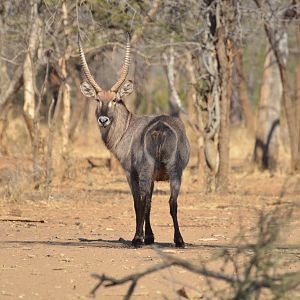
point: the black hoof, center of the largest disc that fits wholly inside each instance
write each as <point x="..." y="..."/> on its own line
<point x="137" y="242"/>
<point x="180" y="244"/>
<point x="149" y="240"/>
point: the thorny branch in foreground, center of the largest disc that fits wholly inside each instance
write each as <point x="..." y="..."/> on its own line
<point x="249" y="279"/>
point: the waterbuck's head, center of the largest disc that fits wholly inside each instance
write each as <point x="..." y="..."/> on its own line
<point x="110" y="102"/>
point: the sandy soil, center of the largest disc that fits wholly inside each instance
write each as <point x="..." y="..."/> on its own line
<point x="88" y="223"/>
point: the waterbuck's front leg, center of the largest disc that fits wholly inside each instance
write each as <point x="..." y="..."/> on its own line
<point x="133" y="181"/>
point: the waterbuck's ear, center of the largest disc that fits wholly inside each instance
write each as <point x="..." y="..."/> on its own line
<point x="87" y="90"/>
<point x="126" y="90"/>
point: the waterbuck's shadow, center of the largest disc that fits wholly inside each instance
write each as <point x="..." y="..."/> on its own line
<point x="126" y="244"/>
<point x="122" y="243"/>
<point x="86" y="243"/>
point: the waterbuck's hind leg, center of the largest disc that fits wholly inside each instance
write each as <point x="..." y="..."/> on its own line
<point x="175" y="183"/>
<point x="143" y="202"/>
<point x="149" y="236"/>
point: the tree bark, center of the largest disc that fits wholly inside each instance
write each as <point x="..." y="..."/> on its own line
<point x="224" y="52"/>
<point x="81" y="103"/>
<point x="8" y="87"/>
<point x="31" y="112"/>
<point x="196" y="117"/>
<point x="210" y="95"/>
<point x="267" y="135"/>
<point x="141" y="70"/>
<point x="243" y="93"/>
<point x="66" y="99"/>
<point x="298" y="98"/>
<point x="287" y="99"/>
<point x="28" y="69"/>
<point x="175" y="106"/>
<point x="4" y="78"/>
<point x="3" y="126"/>
<point x="15" y="83"/>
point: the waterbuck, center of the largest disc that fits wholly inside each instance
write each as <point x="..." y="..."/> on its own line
<point x="149" y="148"/>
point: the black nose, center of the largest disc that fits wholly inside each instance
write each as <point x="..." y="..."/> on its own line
<point x="103" y="120"/>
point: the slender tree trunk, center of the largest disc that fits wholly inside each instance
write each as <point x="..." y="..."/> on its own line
<point x="298" y="100"/>
<point x="28" y="68"/>
<point x="13" y="87"/>
<point x="52" y="118"/>
<point x="29" y="76"/>
<point x="196" y="117"/>
<point x="175" y="105"/>
<point x="3" y="126"/>
<point x="4" y="78"/>
<point x="7" y="87"/>
<point x="224" y="52"/>
<point x="141" y="71"/>
<point x="287" y="99"/>
<point x="81" y="103"/>
<point x="267" y="135"/>
<point x="243" y="93"/>
<point x="66" y="99"/>
<point x="210" y="95"/>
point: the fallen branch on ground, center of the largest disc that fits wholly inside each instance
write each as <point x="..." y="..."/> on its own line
<point x="21" y="220"/>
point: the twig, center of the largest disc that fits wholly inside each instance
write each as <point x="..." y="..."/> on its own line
<point x="246" y="285"/>
<point x="108" y="281"/>
<point x="22" y="220"/>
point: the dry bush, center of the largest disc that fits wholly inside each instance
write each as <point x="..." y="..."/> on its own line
<point x="15" y="185"/>
<point x="248" y="271"/>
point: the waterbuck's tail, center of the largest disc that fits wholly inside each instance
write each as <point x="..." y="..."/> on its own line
<point x="161" y="142"/>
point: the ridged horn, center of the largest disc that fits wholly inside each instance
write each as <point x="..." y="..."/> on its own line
<point x="125" y="68"/>
<point x="86" y="69"/>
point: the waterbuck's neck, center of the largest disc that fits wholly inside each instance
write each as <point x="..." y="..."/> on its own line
<point x="113" y="135"/>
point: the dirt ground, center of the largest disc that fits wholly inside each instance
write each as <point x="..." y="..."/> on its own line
<point x="86" y="224"/>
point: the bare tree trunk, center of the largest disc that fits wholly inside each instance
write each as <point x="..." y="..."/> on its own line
<point x="267" y="134"/>
<point x="266" y="149"/>
<point x="3" y="126"/>
<point x="210" y="95"/>
<point x="298" y="97"/>
<point x="287" y="99"/>
<point x="6" y="88"/>
<point x="175" y="105"/>
<point x="66" y="100"/>
<point x="224" y="52"/>
<point x="52" y="118"/>
<point x="29" y="76"/>
<point x="66" y="88"/>
<point x="81" y="103"/>
<point x="28" y="68"/>
<point x="13" y="87"/>
<point x="4" y="78"/>
<point x="196" y="117"/>
<point x="141" y="71"/>
<point x="243" y="93"/>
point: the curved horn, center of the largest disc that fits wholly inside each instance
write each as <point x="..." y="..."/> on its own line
<point x="125" y="68"/>
<point x="86" y="69"/>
